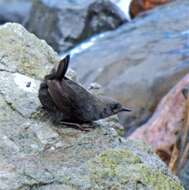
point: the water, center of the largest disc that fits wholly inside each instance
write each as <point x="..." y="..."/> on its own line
<point x="124" y="6"/>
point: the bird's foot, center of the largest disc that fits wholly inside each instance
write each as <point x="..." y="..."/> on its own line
<point x="83" y="127"/>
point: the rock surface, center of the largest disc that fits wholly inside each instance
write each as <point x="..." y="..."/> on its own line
<point x="162" y="129"/>
<point x="139" y="62"/>
<point x="64" y="24"/>
<point x="18" y="52"/>
<point x="184" y="175"/>
<point x="139" y="6"/>
<point x="167" y="130"/>
<point x="36" y="155"/>
<point x="14" y="10"/>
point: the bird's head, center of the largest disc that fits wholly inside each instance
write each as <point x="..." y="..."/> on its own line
<point x="112" y="107"/>
<point x="116" y="107"/>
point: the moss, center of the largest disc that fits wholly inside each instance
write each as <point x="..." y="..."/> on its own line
<point x="120" y="168"/>
<point x="38" y="114"/>
<point x="120" y="132"/>
<point x="116" y="156"/>
<point x="156" y="179"/>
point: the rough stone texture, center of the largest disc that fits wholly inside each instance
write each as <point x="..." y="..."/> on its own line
<point x="36" y="155"/>
<point x="21" y="51"/>
<point x="139" y="62"/>
<point x="65" y="23"/>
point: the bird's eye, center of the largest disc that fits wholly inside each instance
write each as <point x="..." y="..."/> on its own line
<point x="115" y="106"/>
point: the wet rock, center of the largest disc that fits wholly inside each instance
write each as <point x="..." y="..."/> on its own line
<point x="35" y="154"/>
<point x="65" y="23"/>
<point x="14" y="10"/>
<point x="139" y="62"/>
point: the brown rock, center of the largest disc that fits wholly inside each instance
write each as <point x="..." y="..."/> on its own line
<point x="138" y="6"/>
<point x="162" y="130"/>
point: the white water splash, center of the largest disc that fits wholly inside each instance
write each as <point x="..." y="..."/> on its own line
<point x="124" y="6"/>
<point x="83" y="46"/>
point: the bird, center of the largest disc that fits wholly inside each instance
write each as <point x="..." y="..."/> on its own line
<point x="70" y="103"/>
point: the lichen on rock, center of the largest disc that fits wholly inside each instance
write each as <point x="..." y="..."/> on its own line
<point x="122" y="169"/>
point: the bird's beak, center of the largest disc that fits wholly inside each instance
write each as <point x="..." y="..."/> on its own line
<point x="125" y="109"/>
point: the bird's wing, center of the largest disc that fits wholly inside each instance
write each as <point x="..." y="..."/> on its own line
<point x="55" y="91"/>
<point x="62" y="67"/>
<point x="45" y="98"/>
<point x="63" y="98"/>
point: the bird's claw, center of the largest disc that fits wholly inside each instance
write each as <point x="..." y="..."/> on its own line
<point x="77" y="126"/>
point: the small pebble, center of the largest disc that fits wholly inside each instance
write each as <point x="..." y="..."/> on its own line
<point x="28" y="84"/>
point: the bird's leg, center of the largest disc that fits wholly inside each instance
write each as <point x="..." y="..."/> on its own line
<point x="76" y="126"/>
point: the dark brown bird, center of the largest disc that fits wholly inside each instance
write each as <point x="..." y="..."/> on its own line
<point x="70" y="102"/>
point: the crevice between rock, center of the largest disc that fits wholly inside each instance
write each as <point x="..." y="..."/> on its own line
<point x="10" y="105"/>
<point x="37" y="183"/>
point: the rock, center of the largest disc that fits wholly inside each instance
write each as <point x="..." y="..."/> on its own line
<point x="35" y="154"/>
<point x="138" y="6"/>
<point x="161" y="131"/>
<point x="138" y="63"/>
<point x="182" y="161"/>
<point x="106" y="171"/>
<point x="167" y="130"/>
<point x="21" y="52"/>
<point x="14" y="10"/>
<point x="66" y="23"/>
<point x="184" y="175"/>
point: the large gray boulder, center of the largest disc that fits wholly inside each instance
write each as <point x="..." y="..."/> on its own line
<point x="35" y="154"/>
<point x="139" y="62"/>
<point x="64" y="24"/>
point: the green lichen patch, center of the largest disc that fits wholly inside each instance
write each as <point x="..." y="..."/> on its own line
<point x="122" y="169"/>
